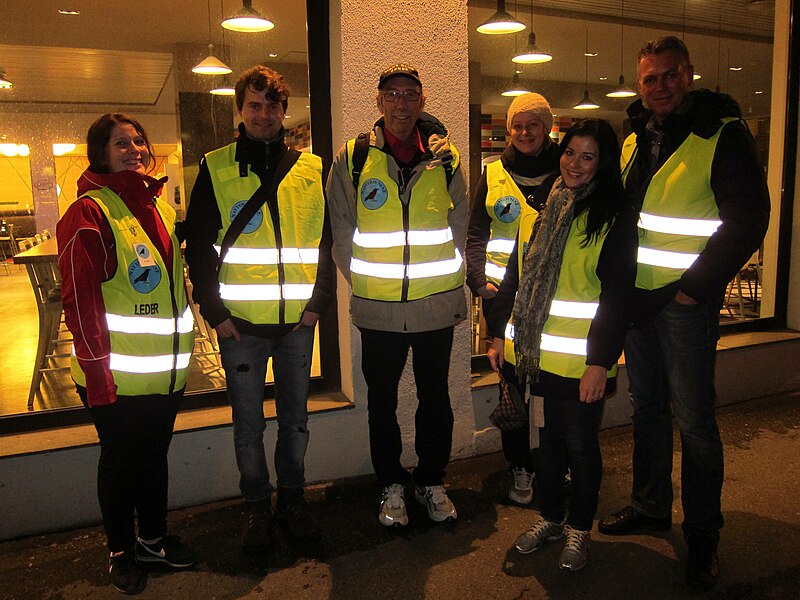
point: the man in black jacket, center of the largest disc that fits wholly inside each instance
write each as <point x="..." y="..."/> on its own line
<point x="267" y="292"/>
<point x="692" y="169"/>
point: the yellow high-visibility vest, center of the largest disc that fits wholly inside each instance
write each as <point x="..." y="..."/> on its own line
<point x="679" y="212"/>
<point x="268" y="276"/>
<point x="149" y="320"/>
<point x="403" y="252"/>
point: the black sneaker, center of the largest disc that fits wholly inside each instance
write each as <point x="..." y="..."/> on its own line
<point x="169" y="551"/>
<point x="702" y="566"/>
<point x="296" y="517"/>
<point x="126" y="575"/>
<point x="257" y="535"/>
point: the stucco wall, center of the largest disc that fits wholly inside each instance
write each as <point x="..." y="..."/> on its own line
<point x="366" y="38"/>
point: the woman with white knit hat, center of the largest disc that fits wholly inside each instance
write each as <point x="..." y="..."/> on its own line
<point x="504" y="197"/>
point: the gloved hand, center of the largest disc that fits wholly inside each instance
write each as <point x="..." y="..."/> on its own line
<point x="440" y="148"/>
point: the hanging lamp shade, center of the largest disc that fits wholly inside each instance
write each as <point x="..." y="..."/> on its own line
<point x="532" y="54"/>
<point x="247" y="20"/>
<point x="515" y="89"/>
<point x="211" y="65"/>
<point x="501" y="22"/>
<point x="622" y="90"/>
<point x="586" y="103"/>
<point x="224" y="88"/>
<point x="5" y="84"/>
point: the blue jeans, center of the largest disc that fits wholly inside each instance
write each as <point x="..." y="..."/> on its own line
<point x="245" y="364"/>
<point x="672" y="360"/>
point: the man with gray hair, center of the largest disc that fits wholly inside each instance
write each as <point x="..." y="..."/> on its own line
<point x="398" y="205"/>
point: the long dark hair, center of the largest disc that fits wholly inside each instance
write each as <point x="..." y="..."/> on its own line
<point x="99" y="134"/>
<point x="608" y="198"/>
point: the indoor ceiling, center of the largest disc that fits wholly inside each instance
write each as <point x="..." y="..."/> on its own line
<point x="63" y="59"/>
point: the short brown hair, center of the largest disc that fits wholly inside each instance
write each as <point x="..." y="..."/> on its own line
<point x="100" y="132"/>
<point x="262" y="78"/>
<point x="665" y="44"/>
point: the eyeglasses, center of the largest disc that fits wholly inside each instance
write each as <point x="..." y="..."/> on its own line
<point x="408" y="95"/>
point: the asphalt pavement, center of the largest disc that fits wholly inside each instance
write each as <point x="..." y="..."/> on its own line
<point x="473" y="558"/>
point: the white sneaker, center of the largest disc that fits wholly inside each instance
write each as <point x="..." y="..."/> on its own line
<point x="434" y="497"/>
<point x="522" y="491"/>
<point x="541" y="532"/>
<point x="393" y="506"/>
<point x="575" y="554"/>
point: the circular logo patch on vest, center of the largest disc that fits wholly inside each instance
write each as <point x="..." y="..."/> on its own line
<point x="144" y="279"/>
<point x="507" y="209"/>
<point x="373" y="194"/>
<point x="254" y="222"/>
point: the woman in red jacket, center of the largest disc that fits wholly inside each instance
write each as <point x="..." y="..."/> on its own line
<point x="118" y="253"/>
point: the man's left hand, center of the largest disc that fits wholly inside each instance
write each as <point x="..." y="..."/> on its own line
<point x="593" y="384"/>
<point x="682" y="298"/>
<point x="309" y="319"/>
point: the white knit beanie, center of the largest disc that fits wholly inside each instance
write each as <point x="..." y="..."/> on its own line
<point x="536" y="105"/>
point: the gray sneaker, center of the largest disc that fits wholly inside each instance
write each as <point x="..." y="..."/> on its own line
<point x="575" y="554"/>
<point x="434" y="498"/>
<point x="522" y="490"/>
<point x="541" y="532"/>
<point x="393" y="506"/>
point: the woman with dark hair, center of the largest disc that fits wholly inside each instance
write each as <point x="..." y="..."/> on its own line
<point x="125" y="303"/>
<point x="569" y="286"/>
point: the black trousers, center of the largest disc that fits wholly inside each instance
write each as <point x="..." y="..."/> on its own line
<point x="133" y="474"/>
<point x="569" y="436"/>
<point x="383" y="359"/>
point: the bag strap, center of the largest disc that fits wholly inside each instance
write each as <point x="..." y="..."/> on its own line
<point x="257" y="200"/>
<point x="360" y="151"/>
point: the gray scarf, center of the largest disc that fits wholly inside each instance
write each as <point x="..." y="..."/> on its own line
<point x="539" y="278"/>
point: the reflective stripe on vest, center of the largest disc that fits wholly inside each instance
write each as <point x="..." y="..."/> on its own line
<point x="402" y="251"/>
<point x="268" y="276"/>
<point x="150" y="325"/>
<point x="679" y="212"/>
<point x="504" y="203"/>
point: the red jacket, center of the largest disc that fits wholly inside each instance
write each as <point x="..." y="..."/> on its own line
<point x="86" y="258"/>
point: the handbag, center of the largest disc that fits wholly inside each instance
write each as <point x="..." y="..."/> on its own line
<point x="510" y="412"/>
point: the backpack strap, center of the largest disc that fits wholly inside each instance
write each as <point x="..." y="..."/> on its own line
<point x="257" y="200"/>
<point x="360" y="151"/>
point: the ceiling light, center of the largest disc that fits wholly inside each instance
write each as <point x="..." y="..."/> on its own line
<point x="603" y="78"/>
<point x="696" y="76"/>
<point x="211" y="65"/>
<point x="622" y="90"/>
<point x="735" y="68"/>
<point x="273" y="55"/>
<point x="586" y="103"/>
<point x="590" y="54"/>
<point x="515" y="89"/>
<point x="224" y="89"/>
<point x="759" y="92"/>
<point x="247" y="20"/>
<point x="532" y="54"/>
<point x="501" y="22"/>
<point x="68" y="11"/>
<point x="5" y="84"/>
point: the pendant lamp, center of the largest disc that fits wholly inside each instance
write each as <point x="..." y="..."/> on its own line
<point x="586" y="103"/>
<point x="247" y="20"/>
<point x="5" y="84"/>
<point x="515" y="89"/>
<point x="211" y="65"/>
<point x="622" y="90"/>
<point x="532" y="54"/>
<point x="224" y="88"/>
<point x="501" y="22"/>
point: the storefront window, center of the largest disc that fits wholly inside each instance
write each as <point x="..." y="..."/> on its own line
<point x="594" y="45"/>
<point x="67" y="69"/>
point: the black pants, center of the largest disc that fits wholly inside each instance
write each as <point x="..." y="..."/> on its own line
<point x="569" y="434"/>
<point x="383" y="359"/>
<point x="133" y="475"/>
